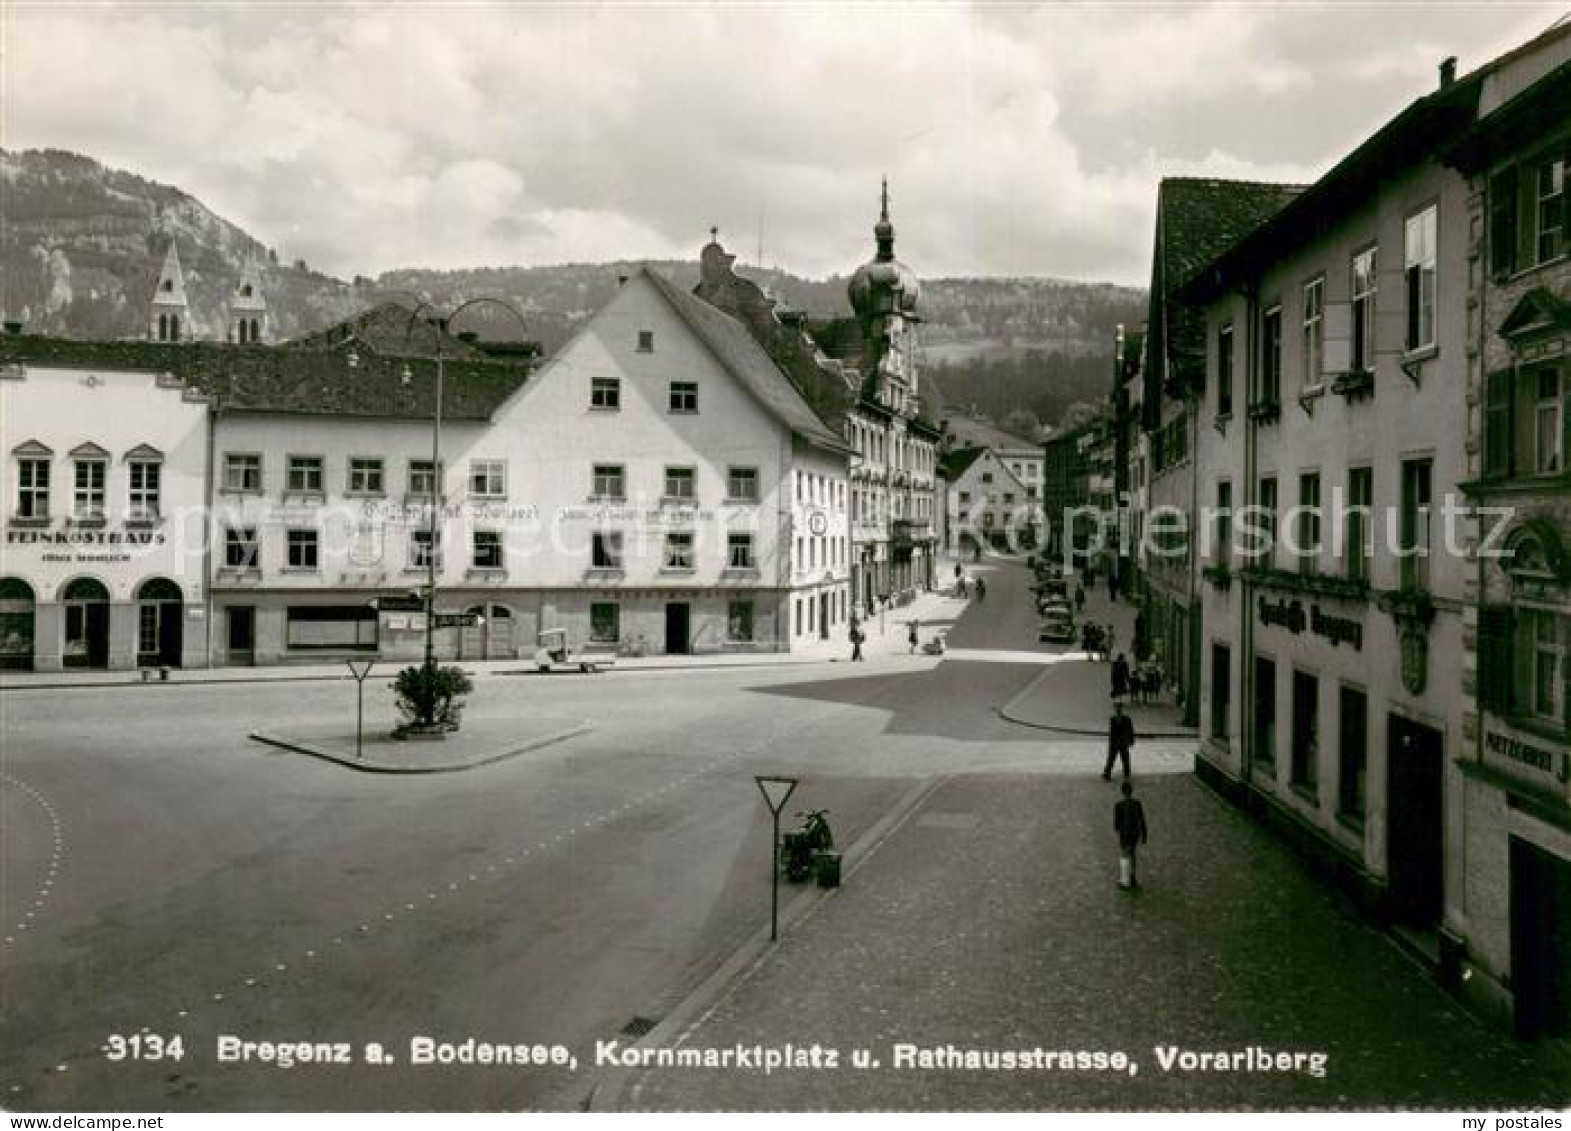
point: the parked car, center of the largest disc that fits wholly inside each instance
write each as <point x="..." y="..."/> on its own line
<point x="1058" y="626"/>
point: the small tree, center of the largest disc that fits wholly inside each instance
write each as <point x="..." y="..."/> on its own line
<point x="431" y="698"/>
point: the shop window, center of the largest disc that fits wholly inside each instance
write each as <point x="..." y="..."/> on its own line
<point x="1352" y="752"/>
<point x="1221" y="691"/>
<point x="341" y="627"/>
<point x="605" y="622"/>
<point x="1306" y="732"/>
<point x="739" y="622"/>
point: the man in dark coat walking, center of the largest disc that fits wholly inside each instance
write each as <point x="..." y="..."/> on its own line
<point x="856" y="639"/>
<point x="1129" y="820"/>
<point x="1120" y="677"/>
<point x="1120" y="737"/>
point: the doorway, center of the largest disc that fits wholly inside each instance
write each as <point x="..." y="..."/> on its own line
<point x="242" y="634"/>
<point x="1540" y="942"/>
<point x="490" y="637"/>
<point x="1415" y="820"/>
<point x="86" y="624"/>
<point x="823" y="616"/>
<point x="160" y="607"/>
<point x="677" y="614"/>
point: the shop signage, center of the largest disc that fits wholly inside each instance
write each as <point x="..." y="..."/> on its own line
<point x="1526" y="754"/>
<point x="654" y="516"/>
<point x="1292" y="616"/>
<point x="85" y="537"/>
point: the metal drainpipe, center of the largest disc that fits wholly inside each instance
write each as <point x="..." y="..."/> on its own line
<point x="212" y="530"/>
<point x="1246" y="632"/>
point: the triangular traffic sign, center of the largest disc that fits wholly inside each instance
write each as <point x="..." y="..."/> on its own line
<point x="776" y="791"/>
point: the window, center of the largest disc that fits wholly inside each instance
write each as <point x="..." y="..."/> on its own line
<point x="605" y="392"/>
<point x="1009" y="498"/>
<point x="1265" y="710"/>
<point x="684" y="396"/>
<point x="610" y="481"/>
<point x="965" y="498"/>
<point x="1267" y="521"/>
<point x="679" y="483"/>
<point x="1499" y="424"/>
<point x="739" y="622"/>
<point x="742" y="485"/>
<point x="305" y="475"/>
<point x="1306" y="731"/>
<point x="1540" y="631"/>
<point x="1359" y="518"/>
<point x="88" y="498"/>
<point x="365" y="476"/>
<point x="1224" y="524"/>
<point x="1352" y="752"/>
<point x="242" y="473"/>
<point x="32" y="497"/>
<point x="1314" y="331"/>
<point x="422" y="478"/>
<point x="605" y="622"/>
<point x="487" y="549"/>
<point x="1547" y="433"/>
<point x="487" y="479"/>
<point x="1419" y="271"/>
<point x="302" y="550"/>
<point x="145" y="482"/>
<point x="987" y="477"/>
<point x="1308" y="522"/>
<point x="1221" y="691"/>
<point x="331" y="626"/>
<point x="739" y="551"/>
<point x="1363" y="312"/>
<point x="605" y="549"/>
<point x="679" y="550"/>
<point x="1224" y="370"/>
<point x="646" y="341"/>
<point x="1415" y="523"/>
<point x="420" y="556"/>
<point x="240" y="548"/>
<point x="1549" y="213"/>
<point x="1269" y="394"/>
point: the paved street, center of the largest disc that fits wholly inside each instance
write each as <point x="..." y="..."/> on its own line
<point x="164" y="874"/>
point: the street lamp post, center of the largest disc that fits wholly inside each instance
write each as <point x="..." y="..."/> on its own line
<point x="433" y="530"/>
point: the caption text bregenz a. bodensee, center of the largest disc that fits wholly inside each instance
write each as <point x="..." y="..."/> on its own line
<point x="424" y="1051"/>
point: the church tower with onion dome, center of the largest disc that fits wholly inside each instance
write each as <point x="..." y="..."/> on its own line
<point x="884" y="294"/>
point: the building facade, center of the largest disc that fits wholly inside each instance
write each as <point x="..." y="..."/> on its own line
<point x="1333" y="447"/>
<point x="1516" y="667"/>
<point x="105" y="484"/>
<point x="988" y="503"/>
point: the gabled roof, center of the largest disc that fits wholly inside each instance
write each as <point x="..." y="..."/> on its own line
<point x="958" y="461"/>
<point x="1536" y="312"/>
<point x="1197" y="220"/>
<point x="972" y="432"/>
<point x="746" y="360"/>
<point x="273" y="379"/>
<point x="390" y="329"/>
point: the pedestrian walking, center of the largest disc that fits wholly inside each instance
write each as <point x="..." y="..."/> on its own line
<point x="1080" y="596"/>
<point x="913" y="636"/>
<point x="1107" y="641"/>
<point x="1120" y="677"/>
<point x="1112" y="585"/>
<point x="981" y="589"/>
<point x="1120" y="737"/>
<point x="1129" y="821"/>
<point x="856" y="640"/>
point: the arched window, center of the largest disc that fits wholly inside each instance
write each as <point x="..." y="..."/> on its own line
<point x="159" y="589"/>
<point x="163" y="327"/>
<point x="85" y="589"/>
<point x="174" y="327"/>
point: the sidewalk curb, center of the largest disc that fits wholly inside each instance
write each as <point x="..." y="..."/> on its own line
<point x="117" y="685"/>
<point x="1004" y="713"/>
<point x="606" y="1092"/>
<point x="299" y="746"/>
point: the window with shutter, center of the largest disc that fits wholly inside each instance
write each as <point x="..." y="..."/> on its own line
<point x="1498" y="424"/>
<point x="1495" y="659"/>
<point x="1502" y="223"/>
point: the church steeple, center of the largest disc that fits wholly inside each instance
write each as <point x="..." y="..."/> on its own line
<point x="248" y="306"/>
<point x="884" y="231"/>
<point x="171" y="312"/>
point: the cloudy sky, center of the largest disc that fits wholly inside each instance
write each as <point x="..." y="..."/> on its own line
<point x="1018" y="138"/>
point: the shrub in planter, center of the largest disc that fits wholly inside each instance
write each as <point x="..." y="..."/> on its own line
<point x="431" y="697"/>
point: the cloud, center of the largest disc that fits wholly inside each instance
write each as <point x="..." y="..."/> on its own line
<point x="1017" y="139"/>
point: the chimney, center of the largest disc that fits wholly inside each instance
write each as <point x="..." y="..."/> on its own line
<point x="1447" y="71"/>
